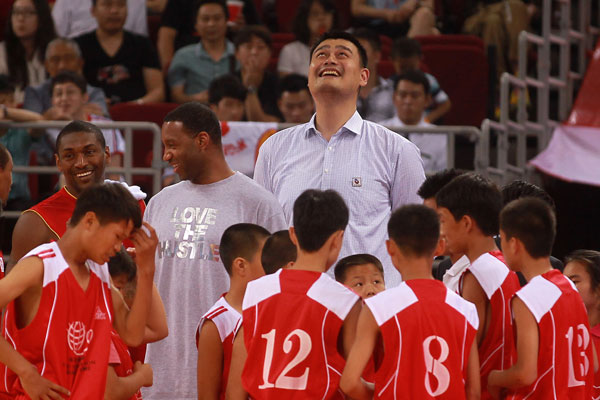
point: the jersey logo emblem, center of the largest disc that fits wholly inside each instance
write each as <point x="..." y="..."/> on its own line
<point x="99" y="314"/>
<point x="78" y="338"/>
<point x="357" y="181"/>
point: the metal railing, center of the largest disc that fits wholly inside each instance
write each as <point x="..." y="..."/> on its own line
<point x="571" y="32"/>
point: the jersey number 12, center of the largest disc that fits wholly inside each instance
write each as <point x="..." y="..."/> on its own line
<point x="283" y="381"/>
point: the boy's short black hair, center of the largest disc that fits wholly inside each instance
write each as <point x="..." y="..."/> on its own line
<point x="6" y="86"/>
<point x="248" y="32"/>
<point x="370" y="36"/>
<point x="590" y="259"/>
<point x="80" y="126"/>
<point x="278" y="251"/>
<point x="111" y="202"/>
<point x="292" y="83"/>
<point x="433" y="183"/>
<point x="196" y="118"/>
<point x="200" y="3"/>
<point x="532" y="221"/>
<point x="227" y="85"/>
<point x="318" y="215"/>
<point x="415" y="229"/>
<point x="343" y="265"/>
<point x="405" y="47"/>
<point x="473" y="195"/>
<point x="344" y="36"/>
<point x="415" y="76"/>
<point x="240" y="240"/>
<point x="518" y="189"/>
<point x="69" y="77"/>
<point x="122" y="264"/>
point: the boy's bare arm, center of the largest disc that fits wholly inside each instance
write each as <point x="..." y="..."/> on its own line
<point x="524" y="371"/>
<point x="131" y="324"/>
<point x="235" y="389"/>
<point x="156" y="325"/>
<point x="124" y="387"/>
<point x="473" y="292"/>
<point x="349" y="328"/>
<point x="210" y="362"/>
<point x="473" y="381"/>
<point x="351" y="382"/>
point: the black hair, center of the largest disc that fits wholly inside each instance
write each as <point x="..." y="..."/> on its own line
<point x="433" y="183"/>
<point x="318" y="215"/>
<point x="370" y="36"/>
<point x="532" y="221"/>
<point x="6" y="86"/>
<point x="344" y="36"/>
<point x="405" y="47"/>
<point x="473" y="195"/>
<point x="4" y="156"/>
<point x="415" y="229"/>
<point x="16" y="58"/>
<point x="200" y="3"/>
<point x="415" y="76"/>
<point x="227" y="85"/>
<point x="518" y="189"/>
<point x="240" y="240"/>
<point x="81" y="126"/>
<point x="590" y="259"/>
<point x="278" y="251"/>
<point x="122" y="264"/>
<point x="196" y="118"/>
<point x="300" y="23"/>
<point x="69" y="77"/>
<point x="292" y="83"/>
<point x="111" y="202"/>
<point x="248" y="32"/>
<point x="343" y="265"/>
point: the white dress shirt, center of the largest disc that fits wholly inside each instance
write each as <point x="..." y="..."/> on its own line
<point x="452" y="277"/>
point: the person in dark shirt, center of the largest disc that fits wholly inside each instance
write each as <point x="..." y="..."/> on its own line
<point x="122" y="63"/>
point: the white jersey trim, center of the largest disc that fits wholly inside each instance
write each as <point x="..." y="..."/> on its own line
<point x="390" y="302"/>
<point x="333" y="296"/>
<point x="227" y="321"/>
<point x="490" y="273"/>
<point x="52" y="270"/>
<point x="261" y="289"/>
<point x="464" y="307"/>
<point x="539" y="295"/>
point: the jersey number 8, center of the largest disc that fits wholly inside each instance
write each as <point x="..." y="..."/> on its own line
<point x="283" y="381"/>
<point x="434" y="365"/>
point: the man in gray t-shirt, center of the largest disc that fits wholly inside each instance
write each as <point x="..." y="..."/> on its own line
<point x="189" y="218"/>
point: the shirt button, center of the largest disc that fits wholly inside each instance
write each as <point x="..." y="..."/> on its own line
<point x="326" y="170"/>
<point x="330" y="148"/>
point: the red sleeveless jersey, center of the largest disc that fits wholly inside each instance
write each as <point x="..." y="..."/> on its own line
<point x="68" y="339"/>
<point x="427" y="333"/>
<point x="497" y="349"/>
<point x="292" y="320"/>
<point x="565" y="359"/>
<point x="228" y="322"/>
<point x="596" y="339"/>
<point x="125" y="366"/>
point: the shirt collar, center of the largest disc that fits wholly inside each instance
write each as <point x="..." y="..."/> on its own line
<point x="459" y="266"/>
<point x="229" y="50"/>
<point x="354" y="124"/>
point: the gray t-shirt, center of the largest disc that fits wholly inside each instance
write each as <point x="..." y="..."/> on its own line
<point x="189" y="220"/>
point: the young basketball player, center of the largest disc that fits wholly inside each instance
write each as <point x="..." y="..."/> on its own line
<point x="468" y="208"/>
<point x="240" y="249"/>
<point x="555" y="357"/>
<point x="428" y="331"/>
<point x="363" y="273"/>
<point x="298" y="321"/>
<point x="278" y="252"/>
<point x="61" y="308"/>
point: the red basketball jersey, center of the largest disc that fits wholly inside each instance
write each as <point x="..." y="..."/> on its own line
<point x="125" y="366"/>
<point x="427" y="333"/>
<point x="228" y="322"/>
<point x="565" y="358"/>
<point x="596" y="339"/>
<point x="292" y="320"/>
<point x="68" y="340"/>
<point x="497" y="350"/>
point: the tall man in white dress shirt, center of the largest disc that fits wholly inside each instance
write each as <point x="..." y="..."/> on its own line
<point x="374" y="169"/>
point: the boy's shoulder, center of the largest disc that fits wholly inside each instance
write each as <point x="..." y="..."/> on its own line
<point x="226" y="318"/>
<point x="491" y="273"/>
<point x="542" y="292"/>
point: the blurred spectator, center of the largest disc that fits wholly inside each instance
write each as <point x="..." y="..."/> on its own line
<point x="196" y="65"/>
<point x="69" y="98"/>
<point x="374" y="100"/>
<point x="406" y="56"/>
<point x="295" y="102"/>
<point x="27" y="34"/>
<point x="411" y="98"/>
<point x="314" y="17"/>
<point x="498" y="23"/>
<point x="62" y="55"/>
<point x="396" y="18"/>
<point x="226" y="97"/>
<point x="253" y="51"/>
<point x="122" y="63"/>
<point x="179" y="26"/>
<point x="156" y="6"/>
<point x="73" y="17"/>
